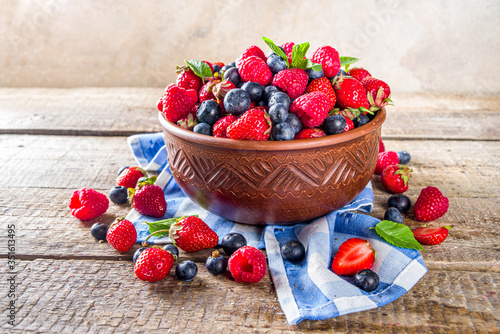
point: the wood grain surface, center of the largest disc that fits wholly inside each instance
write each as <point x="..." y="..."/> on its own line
<point x="54" y="141"/>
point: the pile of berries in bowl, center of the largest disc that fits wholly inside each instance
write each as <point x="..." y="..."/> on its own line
<point x="274" y="139"/>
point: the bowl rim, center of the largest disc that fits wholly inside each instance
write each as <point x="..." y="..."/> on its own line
<point x="272" y="145"/>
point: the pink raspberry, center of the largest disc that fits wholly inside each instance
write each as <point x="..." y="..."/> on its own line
<point x="329" y="59"/>
<point x="178" y="102"/>
<point x="252" y="51"/>
<point x="247" y="265"/>
<point x="86" y="204"/>
<point x="255" y="69"/>
<point x="292" y="81"/>
<point x="312" y="108"/>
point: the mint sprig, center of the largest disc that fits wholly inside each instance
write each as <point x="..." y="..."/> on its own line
<point x="346" y="61"/>
<point x="397" y="234"/>
<point x="298" y="54"/>
<point x="276" y="49"/>
<point x="199" y="68"/>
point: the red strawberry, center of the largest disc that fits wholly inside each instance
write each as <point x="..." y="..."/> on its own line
<point x="252" y="51"/>
<point x="86" y="204"/>
<point x="431" y="235"/>
<point x="220" y="127"/>
<point x="178" y="102"/>
<point x="255" y="69"/>
<point x="385" y="159"/>
<point x="148" y="199"/>
<point x="206" y="91"/>
<point x="254" y="124"/>
<point x="379" y="93"/>
<point x="349" y="124"/>
<point x="329" y="59"/>
<point x="350" y="94"/>
<point x="247" y="265"/>
<point x="292" y="81"/>
<point x="430" y="204"/>
<point x="323" y="85"/>
<point x="310" y="133"/>
<point x="192" y="234"/>
<point x="381" y="146"/>
<point x="153" y="264"/>
<point x="218" y="63"/>
<point x="129" y="176"/>
<point x="358" y="73"/>
<point x="354" y="255"/>
<point x="187" y="79"/>
<point x="395" y="178"/>
<point x="312" y="108"/>
<point x="188" y="122"/>
<point x="220" y="90"/>
<point x="122" y="235"/>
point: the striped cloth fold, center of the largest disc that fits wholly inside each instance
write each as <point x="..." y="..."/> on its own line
<point x="307" y="290"/>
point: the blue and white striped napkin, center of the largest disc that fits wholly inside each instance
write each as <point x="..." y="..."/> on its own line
<point x="308" y="290"/>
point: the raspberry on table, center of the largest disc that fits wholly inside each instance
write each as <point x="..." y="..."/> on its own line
<point x="87" y="203"/>
<point x="247" y="265"/>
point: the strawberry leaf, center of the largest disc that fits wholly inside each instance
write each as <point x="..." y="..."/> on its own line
<point x="346" y="61"/>
<point x="199" y="68"/>
<point x="397" y="234"/>
<point x="276" y="49"/>
<point x="163" y="224"/>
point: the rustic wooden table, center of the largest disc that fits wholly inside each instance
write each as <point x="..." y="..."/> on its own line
<point x="54" y="141"/>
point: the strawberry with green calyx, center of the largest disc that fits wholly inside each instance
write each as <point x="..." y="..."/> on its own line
<point x="431" y="235"/>
<point x="207" y="90"/>
<point x="148" y="199"/>
<point x="378" y="92"/>
<point x="200" y="68"/>
<point x="122" y="235"/>
<point x="395" y="178"/>
<point x="188" y="122"/>
<point x="221" y="88"/>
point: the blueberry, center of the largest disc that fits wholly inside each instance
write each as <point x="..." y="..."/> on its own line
<point x="137" y="253"/>
<point x="282" y="131"/>
<point x="186" y="270"/>
<point x="99" y="231"/>
<point x="271" y="52"/>
<point x="295" y="122"/>
<point x="268" y="91"/>
<point x="279" y="97"/>
<point x="367" y="280"/>
<point x="334" y="124"/>
<point x="216" y="68"/>
<point x="208" y="112"/>
<point x="216" y="263"/>
<point x="400" y="202"/>
<point x="233" y="64"/>
<point x="404" y="157"/>
<point x="362" y="119"/>
<point x="339" y="73"/>
<point x="232" y="75"/>
<point x="172" y="249"/>
<point x="312" y="74"/>
<point x="118" y="194"/>
<point x="293" y="251"/>
<point x="262" y="103"/>
<point x="203" y="128"/>
<point x="224" y="69"/>
<point x="276" y="63"/>
<point x="393" y="215"/>
<point x="240" y="84"/>
<point x="237" y="101"/>
<point x="231" y="242"/>
<point x="253" y="89"/>
<point x="122" y="169"/>
<point x="278" y="113"/>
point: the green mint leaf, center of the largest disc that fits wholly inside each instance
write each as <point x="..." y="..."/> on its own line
<point x="276" y="49"/>
<point x="348" y="61"/>
<point x="302" y="63"/>
<point x="314" y="66"/>
<point x="200" y="68"/>
<point x="298" y="53"/>
<point x="163" y="224"/>
<point x="397" y="234"/>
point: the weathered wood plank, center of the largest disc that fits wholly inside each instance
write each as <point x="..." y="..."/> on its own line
<point x="124" y="111"/>
<point x="104" y="296"/>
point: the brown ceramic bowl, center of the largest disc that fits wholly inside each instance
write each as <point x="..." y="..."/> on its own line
<point x="273" y="182"/>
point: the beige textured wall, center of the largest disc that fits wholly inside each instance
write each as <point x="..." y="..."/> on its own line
<point x="415" y="46"/>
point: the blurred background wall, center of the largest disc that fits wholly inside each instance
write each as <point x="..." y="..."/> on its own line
<point x="415" y="46"/>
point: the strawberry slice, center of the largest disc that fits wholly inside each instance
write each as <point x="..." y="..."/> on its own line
<point x="354" y="254"/>
<point x="431" y="235"/>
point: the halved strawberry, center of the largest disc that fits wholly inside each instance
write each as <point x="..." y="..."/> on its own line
<point x="354" y="254"/>
<point x="431" y="235"/>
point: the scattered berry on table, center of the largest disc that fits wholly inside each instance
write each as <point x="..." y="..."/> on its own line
<point x="279" y="98"/>
<point x="153" y="264"/>
<point x="137" y="253"/>
<point x="310" y="133"/>
<point x="396" y="178"/>
<point x="360" y="120"/>
<point x="354" y="255"/>
<point x="367" y="280"/>
<point x="237" y="101"/>
<point x="276" y="63"/>
<point x="192" y="234"/>
<point x="312" y="108"/>
<point x="87" y="203"/>
<point x="121" y="170"/>
<point x="393" y="215"/>
<point x="178" y="102"/>
<point x="220" y="127"/>
<point x="232" y="74"/>
<point x="431" y="235"/>
<point x="247" y="265"/>
<point x="254" y="124"/>
<point x="254" y="90"/>
<point x="350" y="93"/>
<point x="334" y="124"/>
<point x="358" y="73"/>
<point x="216" y="264"/>
<point x="282" y="131"/>
<point x="430" y="204"/>
<point x="122" y="235"/>
<point x="118" y="194"/>
<point x="323" y="85"/>
<point x="278" y="113"/>
<point x="231" y="242"/>
<point x="400" y="202"/>
<point x="329" y="60"/>
<point x="99" y="231"/>
<point x="148" y="199"/>
<point x="292" y="81"/>
<point x="172" y="249"/>
<point x="129" y="176"/>
<point x="208" y="112"/>
<point x="255" y="69"/>
<point x="186" y="270"/>
<point x="404" y="157"/>
<point x="384" y="159"/>
<point x="187" y="79"/>
<point x="293" y="251"/>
